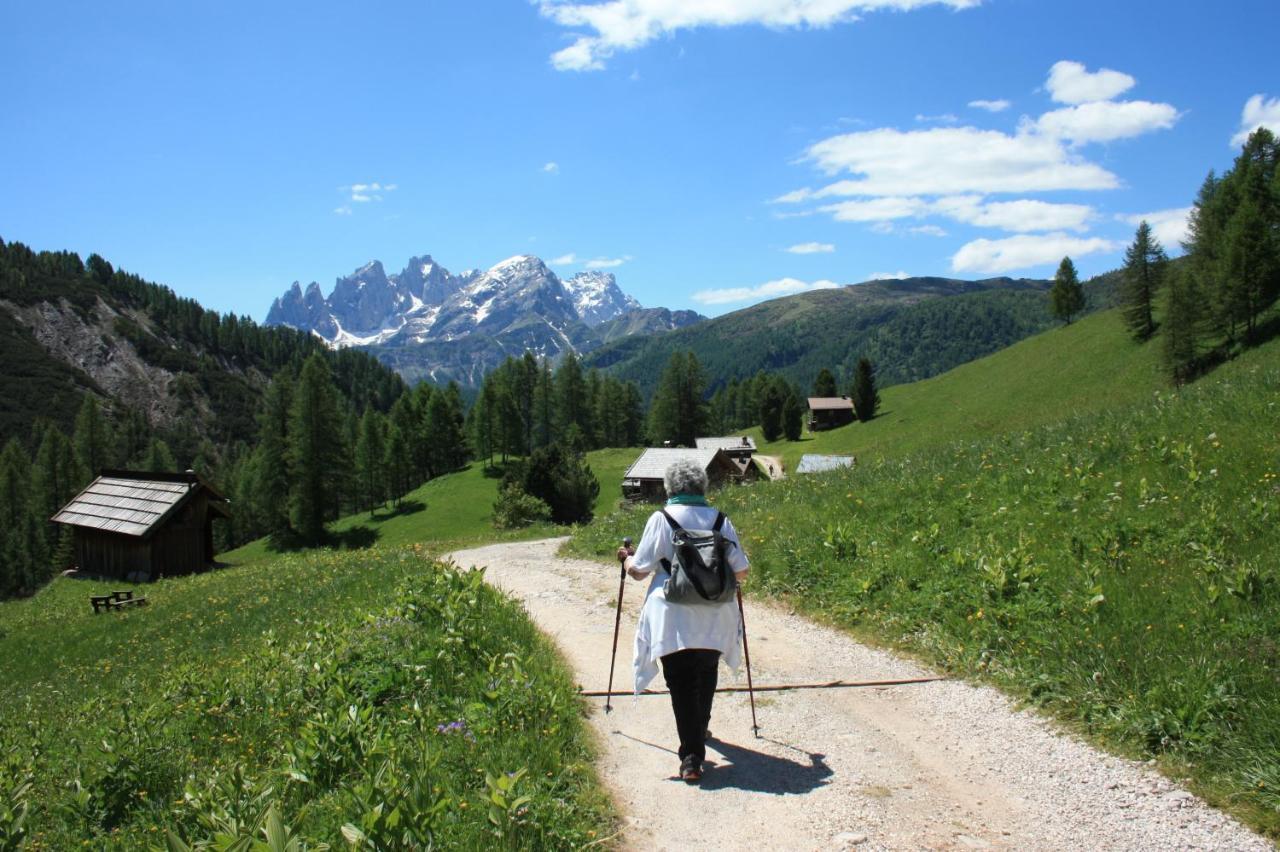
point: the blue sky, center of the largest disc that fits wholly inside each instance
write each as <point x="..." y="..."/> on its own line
<point x="708" y="153"/>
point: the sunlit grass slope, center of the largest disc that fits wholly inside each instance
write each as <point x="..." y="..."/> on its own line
<point x="454" y="511"/>
<point x="1102" y="545"/>
<point x="1090" y="365"/>
<point x="374" y="693"/>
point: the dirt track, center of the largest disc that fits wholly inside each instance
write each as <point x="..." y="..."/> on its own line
<point x="940" y="765"/>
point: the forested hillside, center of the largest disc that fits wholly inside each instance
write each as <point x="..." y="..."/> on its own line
<point x="912" y="329"/>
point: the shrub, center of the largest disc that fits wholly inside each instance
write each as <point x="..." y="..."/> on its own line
<point x="560" y="478"/>
<point x="515" y="509"/>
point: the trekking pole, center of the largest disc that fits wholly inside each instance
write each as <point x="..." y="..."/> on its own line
<point x="746" y="652"/>
<point x="617" y="624"/>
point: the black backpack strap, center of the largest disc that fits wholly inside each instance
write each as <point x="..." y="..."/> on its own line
<point x="719" y="522"/>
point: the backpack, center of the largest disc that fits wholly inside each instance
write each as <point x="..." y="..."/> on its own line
<point x="700" y="572"/>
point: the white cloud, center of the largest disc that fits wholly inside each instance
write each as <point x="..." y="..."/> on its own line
<point x="363" y="193"/>
<point x="1019" y="216"/>
<point x="876" y="209"/>
<point x="1105" y="121"/>
<point x="811" y="248"/>
<point x="1025" y="251"/>
<point x="944" y="118"/>
<point x="991" y="106"/>
<point x="928" y="230"/>
<point x="950" y="161"/>
<point x="1258" y="112"/>
<point x="344" y="210"/>
<point x="620" y="25"/>
<point x="795" y="196"/>
<point x="1169" y="226"/>
<point x="551" y="168"/>
<point x="607" y="262"/>
<point x="768" y="290"/>
<point x="888" y="276"/>
<point x="565" y="260"/>
<point x="1070" y="83"/>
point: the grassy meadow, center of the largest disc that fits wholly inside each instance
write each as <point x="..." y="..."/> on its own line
<point x="365" y="695"/>
<point x="1107" y="554"/>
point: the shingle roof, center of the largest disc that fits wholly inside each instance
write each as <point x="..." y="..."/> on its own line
<point x="653" y="462"/>
<point x="810" y="463"/>
<point x="730" y="444"/>
<point x="129" y="503"/>
<point x="830" y="403"/>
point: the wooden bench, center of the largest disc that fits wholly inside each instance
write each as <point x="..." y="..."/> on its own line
<point x="115" y="600"/>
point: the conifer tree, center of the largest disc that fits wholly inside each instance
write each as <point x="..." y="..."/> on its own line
<point x="771" y="402"/>
<point x="678" y="413"/>
<point x="480" y="425"/>
<point x="371" y="459"/>
<point x="544" y="408"/>
<point x="865" y="396"/>
<point x="317" y="460"/>
<point x="447" y="451"/>
<point x="793" y="416"/>
<point x="159" y="458"/>
<point x="271" y="467"/>
<point x="825" y="384"/>
<point x="20" y="540"/>
<point x="398" y="462"/>
<point x="1142" y="275"/>
<point x="1250" y="258"/>
<point x="1066" y="298"/>
<point x="1182" y="324"/>
<point x="571" y="395"/>
<point x="1203" y="248"/>
<point x="633" y="415"/>
<point x="91" y="440"/>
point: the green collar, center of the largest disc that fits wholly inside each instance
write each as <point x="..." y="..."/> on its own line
<point x="687" y="500"/>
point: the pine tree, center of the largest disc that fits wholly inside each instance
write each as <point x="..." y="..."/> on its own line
<point x="398" y="462"/>
<point x="544" y="408"/>
<point x="91" y="439"/>
<point x="771" y="402"/>
<point x="1142" y="275"/>
<point x="633" y="415"/>
<point x="448" y="441"/>
<point x="678" y="412"/>
<point x="1251" y="259"/>
<point x="1203" y="247"/>
<point x="1182" y="325"/>
<point x="793" y="416"/>
<point x="159" y="458"/>
<point x="271" y="466"/>
<point x="371" y="459"/>
<point x="20" y="541"/>
<point x="1066" y="298"/>
<point x="317" y="460"/>
<point x="571" y="396"/>
<point x="866" y="399"/>
<point x="825" y="384"/>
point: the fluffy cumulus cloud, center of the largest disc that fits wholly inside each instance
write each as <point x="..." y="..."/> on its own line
<point x="810" y="248"/>
<point x="767" y="290"/>
<point x="1072" y="83"/>
<point x="1019" y="216"/>
<point x="621" y="25"/>
<point x="1259" y="111"/>
<point x="1024" y="251"/>
<point x="1169" y="226"/>
<point x="991" y="106"/>
<point x="551" y="168"/>
<point x="1106" y="121"/>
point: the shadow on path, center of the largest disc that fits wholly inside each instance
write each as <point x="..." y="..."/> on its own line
<point x="747" y="769"/>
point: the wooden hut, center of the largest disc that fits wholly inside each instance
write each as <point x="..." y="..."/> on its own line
<point x="828" y="412"/>
<point x="142" y="526"/>
<point x="739" y="448"/>
<point x="643" y="480"/>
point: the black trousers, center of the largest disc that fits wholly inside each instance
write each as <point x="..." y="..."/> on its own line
<point x="691" y="676"/>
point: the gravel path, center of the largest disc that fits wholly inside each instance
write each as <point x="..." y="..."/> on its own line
<point x="939" y="765"/>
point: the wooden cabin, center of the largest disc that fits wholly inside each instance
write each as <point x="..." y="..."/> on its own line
<point x="142" y="526"/>
<point x="739" y="448"/>
<point x="811" y="463"/>
<point x="829" y="412"/>
<point x="643" y="480"/>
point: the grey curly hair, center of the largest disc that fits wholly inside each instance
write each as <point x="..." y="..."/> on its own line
<point x="685" y="477"/>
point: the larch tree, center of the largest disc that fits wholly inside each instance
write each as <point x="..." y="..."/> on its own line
<point x="91" y="439"/>
<point x="317" y="456"/>
<point x="371" y="459"/>
<point x="865" y="396"/>
<point x="825" y="384"/>
<point x="1142" y="274"/>
<point x="1066" y="298"/>
<point x="271" y="463"/>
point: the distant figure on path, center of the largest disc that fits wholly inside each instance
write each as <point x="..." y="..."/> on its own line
<point x="689" y="639"/>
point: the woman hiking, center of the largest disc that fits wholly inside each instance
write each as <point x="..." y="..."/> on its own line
<point x="689" y="638"/>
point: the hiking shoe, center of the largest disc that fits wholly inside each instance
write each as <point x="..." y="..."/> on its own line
<point x="691" y="770"/>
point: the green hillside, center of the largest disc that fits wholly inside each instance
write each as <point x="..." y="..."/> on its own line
<point x="913" y="329"/>
<point x="1089" y="365"/>
<point x="1057" y="521"/>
